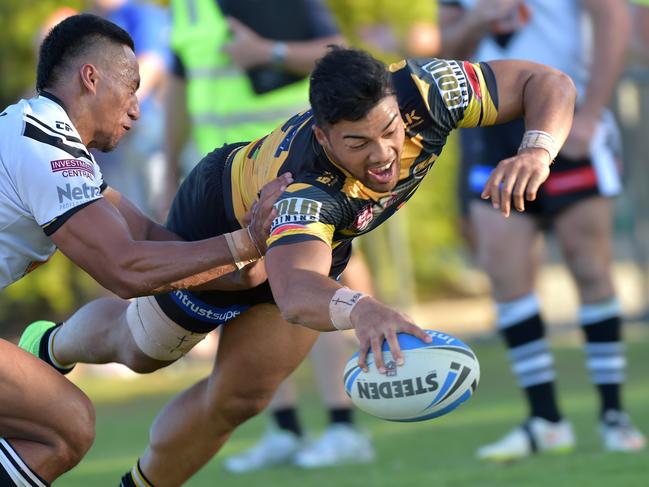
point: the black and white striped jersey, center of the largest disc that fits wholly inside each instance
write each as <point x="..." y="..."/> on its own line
<point x="46" y="175"/>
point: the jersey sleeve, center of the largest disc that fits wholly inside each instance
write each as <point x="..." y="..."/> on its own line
<point x="53" y="184"/>
<point x="305" y="212"/>
<point x="455" y="93"/>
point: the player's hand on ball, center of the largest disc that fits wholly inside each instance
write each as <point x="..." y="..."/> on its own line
<point x="263" y="213"/>
<point x="517" y="179"/>
<point x="375" y="322"/>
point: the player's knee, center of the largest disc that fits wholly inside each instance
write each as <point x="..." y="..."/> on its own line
<point x="139" y="362"/>
<point x="238" y="408"/>
<point x="75" y="439"/>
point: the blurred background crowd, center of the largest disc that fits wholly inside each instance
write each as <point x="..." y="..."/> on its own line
<point x="230" y="70"/>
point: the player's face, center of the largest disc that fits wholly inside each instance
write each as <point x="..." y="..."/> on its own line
<point x="117" y="104"/>
<point x="369" y="148"/>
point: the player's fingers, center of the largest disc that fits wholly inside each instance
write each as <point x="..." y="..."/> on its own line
<point x="363" y="349"/>
<point x="420" y="333"/>
<point x="377" y="345"/>
<point x="534" y="184"/>
<point x="274" y="188"/>
<point x="519" y="191"/>
<point x="395" y="348"/>
<point x="491" y="188"/>
<point x="506" y="189"/>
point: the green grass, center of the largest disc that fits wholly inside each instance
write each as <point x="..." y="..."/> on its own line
<point x="437" y="453"/>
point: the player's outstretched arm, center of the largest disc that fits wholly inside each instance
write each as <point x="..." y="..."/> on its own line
<point x="111" y="246"/>
<point x="545" y="97"/>
<point x="298" y="275"/>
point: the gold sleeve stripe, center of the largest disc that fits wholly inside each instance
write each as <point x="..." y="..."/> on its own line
<point x="319" y="230"/>
<point x="297" y="187"/>
<point x="481" y="109"/>
<point x="489" y="110"/>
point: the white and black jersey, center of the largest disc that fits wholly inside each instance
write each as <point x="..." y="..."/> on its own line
<point x="46" y="175"/>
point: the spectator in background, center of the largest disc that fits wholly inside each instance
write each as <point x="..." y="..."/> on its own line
<point x="231" y="82"/>
<point x="135" y="167"/>
<point x="240" y="69"/>
<point x="575" y="200"/>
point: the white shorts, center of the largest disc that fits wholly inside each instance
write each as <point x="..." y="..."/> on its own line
<point x="156" y="334"/>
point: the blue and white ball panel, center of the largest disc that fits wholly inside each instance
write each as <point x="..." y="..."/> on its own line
<point x="435" y="379"/>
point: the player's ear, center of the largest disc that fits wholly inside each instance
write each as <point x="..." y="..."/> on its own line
<point x="320" y="136"/>
<point x="89" y="76"/>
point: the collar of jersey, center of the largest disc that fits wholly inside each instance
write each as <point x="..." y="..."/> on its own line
<point x="55" y="99"/>
<point x="352" y="186"/>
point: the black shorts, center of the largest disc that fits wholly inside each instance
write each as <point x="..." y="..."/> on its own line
<point x="198" y="212"/>
<point x="570" y="180"/>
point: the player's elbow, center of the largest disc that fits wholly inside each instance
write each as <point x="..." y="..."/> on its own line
<point x="124" y="288"/>
<point x="123" y="282"/>
<point x="290" y="311"/>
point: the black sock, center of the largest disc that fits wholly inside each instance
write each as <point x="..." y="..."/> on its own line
<point x="610" y="397"/>
<point x="341" y="415"/>
<point x="127" y="481"/>
<point x="286" y="419"/>
<point x="135" y="478"/>
<point x="44" y="352"/>
<point x="541" y="399"/>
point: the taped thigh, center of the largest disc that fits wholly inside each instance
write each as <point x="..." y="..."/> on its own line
<point x="156" y="334"/>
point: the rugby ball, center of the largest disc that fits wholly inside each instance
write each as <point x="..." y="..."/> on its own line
<point x="435" y="379"/>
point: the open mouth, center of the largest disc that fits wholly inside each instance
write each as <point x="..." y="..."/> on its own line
<point x="383" y="174"/>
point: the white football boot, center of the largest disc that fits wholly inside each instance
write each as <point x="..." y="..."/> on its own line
<point x="339" y="444"/>
<point x="535" y="435"/>
<point x="276" y="447"/>
<point x="619" y="434"/>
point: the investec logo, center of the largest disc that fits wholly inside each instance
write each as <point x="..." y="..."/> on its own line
<point x="70" y="195"/>
<point x="72" y="167"/>
<point x="450" y="81"/>
<point x="297" y="210"/>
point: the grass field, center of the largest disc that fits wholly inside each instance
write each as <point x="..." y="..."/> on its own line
<point x="437" y="453"/>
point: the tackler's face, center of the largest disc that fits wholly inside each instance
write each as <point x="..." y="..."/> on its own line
<point x="117" y="103"/>
<point x="369" y="148"/>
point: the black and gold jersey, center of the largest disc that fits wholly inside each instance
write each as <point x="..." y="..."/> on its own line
<point x="325" y="202"/>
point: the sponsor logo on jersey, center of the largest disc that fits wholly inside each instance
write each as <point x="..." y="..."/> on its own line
<point x="70" y="196"/>
<point x="63" y="126"/>
<point x="451" y="82"/>
<point x="327" y="178"/>
<point x="364" y="217"/>
<point x="293" y="210"/>
<point x="397" y="388"/>
<point x="72" y="167"/>
<point x="204" y="311"/>
<point x="412" y="120"/>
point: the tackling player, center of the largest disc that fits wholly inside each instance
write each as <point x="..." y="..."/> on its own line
<point x="357" y="156"/>
<point x="52" y="195"/>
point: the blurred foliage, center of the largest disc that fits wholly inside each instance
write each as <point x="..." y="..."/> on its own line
<point x="50" y="292"/>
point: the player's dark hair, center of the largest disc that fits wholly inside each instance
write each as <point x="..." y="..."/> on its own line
<point x="72" y="37"/>
<point x="346" y="84"/>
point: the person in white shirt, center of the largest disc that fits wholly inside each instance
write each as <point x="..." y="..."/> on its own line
<point x="52" y="195"/>
<point x="576" y="201"/>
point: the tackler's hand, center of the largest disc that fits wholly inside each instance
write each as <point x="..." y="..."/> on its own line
<point x="263" y="213"/>
<point x="517" y="179"/>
